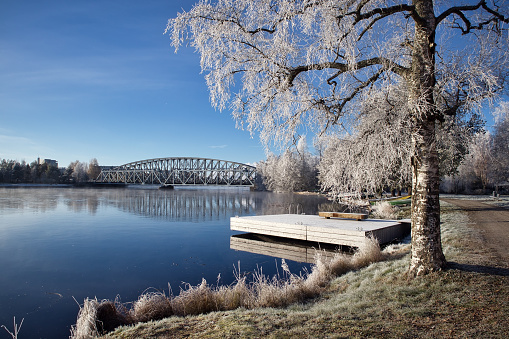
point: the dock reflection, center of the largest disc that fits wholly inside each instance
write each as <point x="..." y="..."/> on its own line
<point x="296" y="250"/>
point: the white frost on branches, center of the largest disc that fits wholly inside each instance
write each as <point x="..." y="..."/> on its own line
<point x="270" y="60"/>
<point x="501" y="144"/>
<point x="282" y="66"/>
<point x="487" y="161"/>
<point x="377" y="155"/>
<point x="291" y="171"/>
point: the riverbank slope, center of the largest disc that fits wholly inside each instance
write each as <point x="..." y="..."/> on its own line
<point x="469" y="299"/>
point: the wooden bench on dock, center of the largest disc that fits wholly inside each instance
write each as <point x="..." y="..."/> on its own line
<point x="355" y="216"/>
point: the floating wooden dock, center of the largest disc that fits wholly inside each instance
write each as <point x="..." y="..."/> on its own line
<point x="314" y="228"/>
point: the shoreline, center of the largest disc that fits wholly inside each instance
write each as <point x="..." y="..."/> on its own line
<point x="468" y="299"/>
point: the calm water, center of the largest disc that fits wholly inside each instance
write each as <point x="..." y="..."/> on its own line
<point x="57" y="244"/>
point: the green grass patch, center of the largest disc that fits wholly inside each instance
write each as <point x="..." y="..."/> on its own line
<point x="400" y="202"/>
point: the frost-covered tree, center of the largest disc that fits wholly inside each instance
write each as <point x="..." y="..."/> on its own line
<point x="487" y="162"/>
<point x="500" y="151"/>
<point x="281" y="64"/>
<point x="480" y="152"/>
<point x="476" y="170"/>
<point x="279" y="172"/>
<point x="376" y="155"/>
<point x="291" y="171"/>
<point x="78" y="171"/>
<point x="454" y="136"/>
<point x="93" y="169"/>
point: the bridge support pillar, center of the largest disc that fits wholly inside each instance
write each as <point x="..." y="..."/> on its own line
<point x="167" y="187"/>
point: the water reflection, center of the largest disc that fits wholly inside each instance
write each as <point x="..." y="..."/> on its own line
<point x="299" y="251"/>
<point x="188" y="205"/>
<point x="81" y="242"/>
<point x="206" y="205"/>
<point x="13" y="200"/>
<point x="179" y="204"/>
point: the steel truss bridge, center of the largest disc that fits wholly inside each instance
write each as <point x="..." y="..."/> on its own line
<point x="179" y="171"/>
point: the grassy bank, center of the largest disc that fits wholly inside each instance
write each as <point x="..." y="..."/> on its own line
<point x="470" y="299"/>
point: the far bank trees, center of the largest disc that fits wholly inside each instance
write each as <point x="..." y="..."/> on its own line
<point x="486" y="166"/>
<point x="500" y="151"/>
<point x="283" y="65"/>
<point x="15" y="172"/>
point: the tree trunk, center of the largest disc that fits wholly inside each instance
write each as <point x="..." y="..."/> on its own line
<point x="427" y="255"/>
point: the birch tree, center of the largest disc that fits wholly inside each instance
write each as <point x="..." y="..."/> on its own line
<point x="284" y="65"/>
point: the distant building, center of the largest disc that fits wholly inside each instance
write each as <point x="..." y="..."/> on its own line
<point x="50" y="162"/>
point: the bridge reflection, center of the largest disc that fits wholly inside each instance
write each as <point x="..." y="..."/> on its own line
<point x="209" y="204"/>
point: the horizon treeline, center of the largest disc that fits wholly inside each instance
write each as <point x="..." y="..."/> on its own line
<point x="15" y="172"/>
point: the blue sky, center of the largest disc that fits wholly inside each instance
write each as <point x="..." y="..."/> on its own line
<point x="98" y="79"/>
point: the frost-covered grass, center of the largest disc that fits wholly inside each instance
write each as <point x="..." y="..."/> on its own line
<point x="467" y="196"/>
<point x="501" y="201"/>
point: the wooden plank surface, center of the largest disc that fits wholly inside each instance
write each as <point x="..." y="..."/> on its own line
<point x="278" y="229"/>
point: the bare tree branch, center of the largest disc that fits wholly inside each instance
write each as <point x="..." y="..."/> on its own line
<point x="343" y="68"/>
<point x="460" y="12"/>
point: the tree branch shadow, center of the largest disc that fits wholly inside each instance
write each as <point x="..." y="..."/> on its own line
<point x="492" y="270"/>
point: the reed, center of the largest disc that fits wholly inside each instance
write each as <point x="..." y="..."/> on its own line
<point x="16" y="328"/>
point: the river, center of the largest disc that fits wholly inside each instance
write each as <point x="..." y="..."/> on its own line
<point x="61" y="245"/>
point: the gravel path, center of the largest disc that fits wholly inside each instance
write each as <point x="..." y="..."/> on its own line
<point x="492" y="220"/>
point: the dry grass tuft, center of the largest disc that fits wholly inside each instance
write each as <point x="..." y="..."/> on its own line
<point x="195" y="300"/>
<point x="384" y="210"/>
<point x="262" y="291"/>
<point x="234" y="296"/>
<point x="99" y="317"/>
<point x="369" y="252"/>
<point x="151" y="306"/>
<point x="86" y="326"/>
<point x="110" y="315"/>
